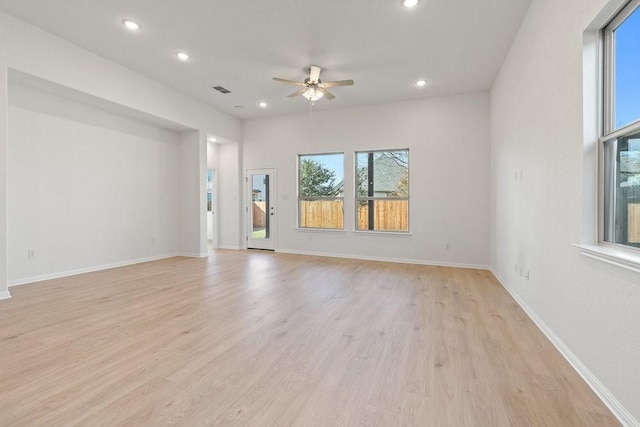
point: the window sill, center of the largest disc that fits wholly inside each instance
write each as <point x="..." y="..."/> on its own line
<point x="382" y="233"/>
<point x="612" y="255"/>
<point x="320" y="230"/>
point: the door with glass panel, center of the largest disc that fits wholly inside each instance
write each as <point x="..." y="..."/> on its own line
<point x="261" y="209"/>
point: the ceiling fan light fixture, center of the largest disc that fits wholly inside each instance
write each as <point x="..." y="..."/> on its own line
<point x="131" y="24"/>
<point x="409" y="3"/>
<point x="313" y="94"/>
<point x="182" y="56"/>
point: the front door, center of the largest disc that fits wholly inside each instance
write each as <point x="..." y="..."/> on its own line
<point x="261" y="209"/>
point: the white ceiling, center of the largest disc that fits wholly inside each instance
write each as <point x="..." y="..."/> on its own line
<point x="458" y="46"/>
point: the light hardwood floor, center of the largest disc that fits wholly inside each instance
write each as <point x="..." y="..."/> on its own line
<point x="260" y="338"/>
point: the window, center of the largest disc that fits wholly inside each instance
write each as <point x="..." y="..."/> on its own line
<point x="321" y="191"/>
<point x="382" y="199"/>
<point x="621" y="128"/>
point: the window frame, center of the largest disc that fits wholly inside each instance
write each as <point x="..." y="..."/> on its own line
<point x="369" y="199"/>
<point x="609" y="134"/>
<point x="312" y="198"/>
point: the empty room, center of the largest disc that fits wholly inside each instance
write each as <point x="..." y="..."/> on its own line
<point x="338" y="213"/>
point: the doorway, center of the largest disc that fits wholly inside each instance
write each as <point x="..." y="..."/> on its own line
<point x="261" y="209"/>
<point x="211" y="231"/>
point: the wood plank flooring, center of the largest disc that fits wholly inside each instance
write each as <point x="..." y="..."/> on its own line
<point x="251" y="338"/>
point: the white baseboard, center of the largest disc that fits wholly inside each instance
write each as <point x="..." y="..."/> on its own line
<point x="193" y="255"/>
<point x="235" y="248"/>
<point x="384" y="259"/>
<point x="67" y="273"/>
<point x="5" y="295"/>
<point x="603" y="393"/>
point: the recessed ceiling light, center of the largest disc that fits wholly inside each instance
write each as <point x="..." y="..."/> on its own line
<point x="131" y="24"/>
<point x="421" y="83"/>
<point x="212" y="139"/>
<point x="182" y="56"/>
<point x="409" y="3"/>
<point x="262" y="104"/>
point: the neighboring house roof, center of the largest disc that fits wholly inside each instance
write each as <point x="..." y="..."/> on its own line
<point x="387" y="173"/>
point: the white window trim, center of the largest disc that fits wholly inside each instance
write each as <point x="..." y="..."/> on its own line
<point x="320" y="230"/>
<point x="383" y="233"/>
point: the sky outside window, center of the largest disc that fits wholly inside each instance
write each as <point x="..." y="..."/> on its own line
<point x="627" y="71"/>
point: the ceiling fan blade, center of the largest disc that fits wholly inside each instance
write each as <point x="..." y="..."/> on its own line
<point x="291" y="82"/>
<point x="326" y="93"/>
<point x="314" y="74"/>
<point x="337" y="83"/>
<point x="298" y="92"/>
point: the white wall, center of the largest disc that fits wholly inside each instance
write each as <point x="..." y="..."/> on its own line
<point x="86" y="187"/>
<point x="212" y="218"/>
<point x="591" y="309"/>
<point x="448" y="139"/>
<point x="192" y="193"/>
<point x="4" y="137"/>
<point x="32" y="51"/>
<point x="230" y="214"/>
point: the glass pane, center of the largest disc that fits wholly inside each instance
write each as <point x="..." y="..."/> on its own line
<point x="321" y="214"/>
<point x="260" y="206"/>
<point x="383" y="215"/>
<point x="627" y="71"/>
<point x="383" y="173"/>
<point x="622" y="211"/>
<point x="321" y="175"/>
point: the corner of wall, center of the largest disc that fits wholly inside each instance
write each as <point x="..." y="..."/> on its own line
<point x="4" y="138"/>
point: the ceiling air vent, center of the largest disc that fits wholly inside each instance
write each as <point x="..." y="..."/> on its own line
<point x="222" y="89"/>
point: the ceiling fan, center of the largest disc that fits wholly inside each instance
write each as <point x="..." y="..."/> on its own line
<point x="313" y="88"/>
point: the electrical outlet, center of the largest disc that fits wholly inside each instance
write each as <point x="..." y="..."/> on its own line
<point x="31" y="253"/>
<point x="526" y="276"/>
<point x="446" y="246"/>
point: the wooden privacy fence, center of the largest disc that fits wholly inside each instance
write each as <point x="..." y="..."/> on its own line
<point x="628" y="215"/>
<point x="634" y="223"/>
<point x="390" y="215"/>
<point x="321" y="214"/>
<point x="259" y="214"/>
